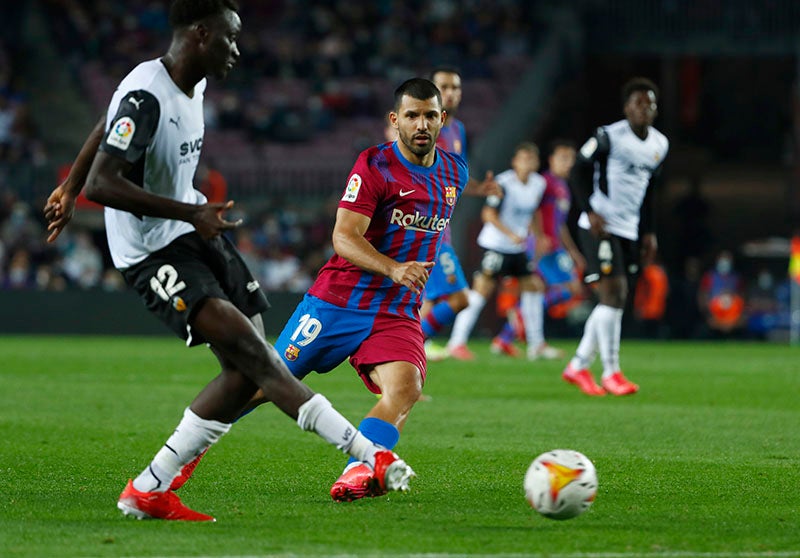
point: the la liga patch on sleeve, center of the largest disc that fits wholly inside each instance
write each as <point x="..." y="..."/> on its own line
<point x="121" y="133"/>
<point x="353" y="186"/>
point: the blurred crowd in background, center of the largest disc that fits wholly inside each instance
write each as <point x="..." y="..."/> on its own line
<point x="350" y="53"/>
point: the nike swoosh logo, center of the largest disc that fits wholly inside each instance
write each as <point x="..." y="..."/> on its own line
<point x="404" y="194"/>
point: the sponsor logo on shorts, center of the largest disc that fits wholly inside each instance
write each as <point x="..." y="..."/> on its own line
<point x="291" y="352"/>
<point x="178" y="304"/>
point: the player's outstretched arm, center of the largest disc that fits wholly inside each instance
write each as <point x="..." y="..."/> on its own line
<point x="349" y="243"/>
<point x="488" y="187"/>
<point x="61" y="202"/>
<point x="489" y="214"/>
<point x="108" y="186"/>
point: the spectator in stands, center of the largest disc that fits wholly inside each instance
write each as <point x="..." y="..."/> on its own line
<point x="82" y="260"/>
<point x="20" y="271"/>
<point x="650" y="300"/>
<point x="761" y="306"/>
<point x="720" y="297"/>
<point x="8" y="115"/>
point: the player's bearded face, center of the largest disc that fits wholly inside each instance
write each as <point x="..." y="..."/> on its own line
<point x="419" y="123"/>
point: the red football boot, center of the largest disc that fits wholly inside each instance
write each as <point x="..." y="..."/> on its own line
<point x="157" y="505"/>
<point x="618" y="384"/>
<point x="583" y="379"/>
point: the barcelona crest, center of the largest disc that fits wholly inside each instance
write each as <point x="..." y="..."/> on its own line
<point x="291" y="352"/>
<point x="450" y="195"/>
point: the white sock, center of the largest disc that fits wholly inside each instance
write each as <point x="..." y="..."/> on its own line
<point x="532" y="307"/>
<point x="609" y="328"/>
<point x="465" y="320"/>
<point x="318" y="415"/>
<point x="587" y="348"/>
<point x="192" y="437"/>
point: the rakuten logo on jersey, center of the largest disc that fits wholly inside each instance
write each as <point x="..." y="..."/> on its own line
<point x="417" y="222"/>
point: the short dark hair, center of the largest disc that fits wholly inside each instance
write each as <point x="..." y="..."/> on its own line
<point x="187" y="12"/>
<point x="638" y="84"/>
<point x="418" y="88"/>
<point x="444" y="70"/>
<point x="559" y="142"/>
<point x="527" y="146"/>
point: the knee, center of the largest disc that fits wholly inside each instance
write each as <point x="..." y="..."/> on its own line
<point x="458" y="301"/>
<point x="246" y="350"/>
<point x="404" y="394"/>
<point x="533" y="283"/>
<point x="614" y="295"/>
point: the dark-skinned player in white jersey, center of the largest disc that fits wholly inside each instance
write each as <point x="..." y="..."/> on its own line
<point x="166" y="239"/>
<point x="613" y="183"/>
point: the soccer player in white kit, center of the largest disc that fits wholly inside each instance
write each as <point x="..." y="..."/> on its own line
<point x="166" y="240"/>
<point x="508" y="220"/>
<point x="613" y="183"/>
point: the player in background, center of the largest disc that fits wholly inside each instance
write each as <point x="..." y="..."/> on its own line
<point x="447" y="292"/>
<point x="558" y="268"/>
<point x="166" y="239"/>
<point x="613" y="183"/>
<point x="364" y="304"/>
<point x="508" y="221"/>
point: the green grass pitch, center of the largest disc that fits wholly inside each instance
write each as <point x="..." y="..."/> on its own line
<point x="705" y="460"/>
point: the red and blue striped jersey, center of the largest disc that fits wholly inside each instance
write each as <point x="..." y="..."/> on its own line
<point x="554" y="206"/>
<point x="453" y="138"/>
<point x="409" y="206"/>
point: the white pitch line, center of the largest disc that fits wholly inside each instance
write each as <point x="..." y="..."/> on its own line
<point x="673" y="554"/>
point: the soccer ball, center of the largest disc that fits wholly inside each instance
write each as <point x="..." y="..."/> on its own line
<point x="561" y="484"/>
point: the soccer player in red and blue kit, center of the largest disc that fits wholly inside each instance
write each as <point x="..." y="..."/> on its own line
<point x="447" y="291"/>
<point x="364" y="304"/>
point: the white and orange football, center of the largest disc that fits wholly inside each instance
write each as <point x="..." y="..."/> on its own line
<point x="561" y="484"/>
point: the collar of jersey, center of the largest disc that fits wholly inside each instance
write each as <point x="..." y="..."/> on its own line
<point x="411" y="166"/>
<point x="174" y="85"/>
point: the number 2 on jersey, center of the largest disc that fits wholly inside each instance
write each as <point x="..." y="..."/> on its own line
<point x="309" y="328"/>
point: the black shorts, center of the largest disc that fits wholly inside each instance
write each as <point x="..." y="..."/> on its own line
<point x="495" y="264"/>
<point x="174" y="281"/>
<point x="609" y="256"/>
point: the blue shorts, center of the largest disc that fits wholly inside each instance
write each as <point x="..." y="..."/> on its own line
<point x="447" y="276"/>
<point x="320" y="336"/>
<point x="557" y="267"/>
